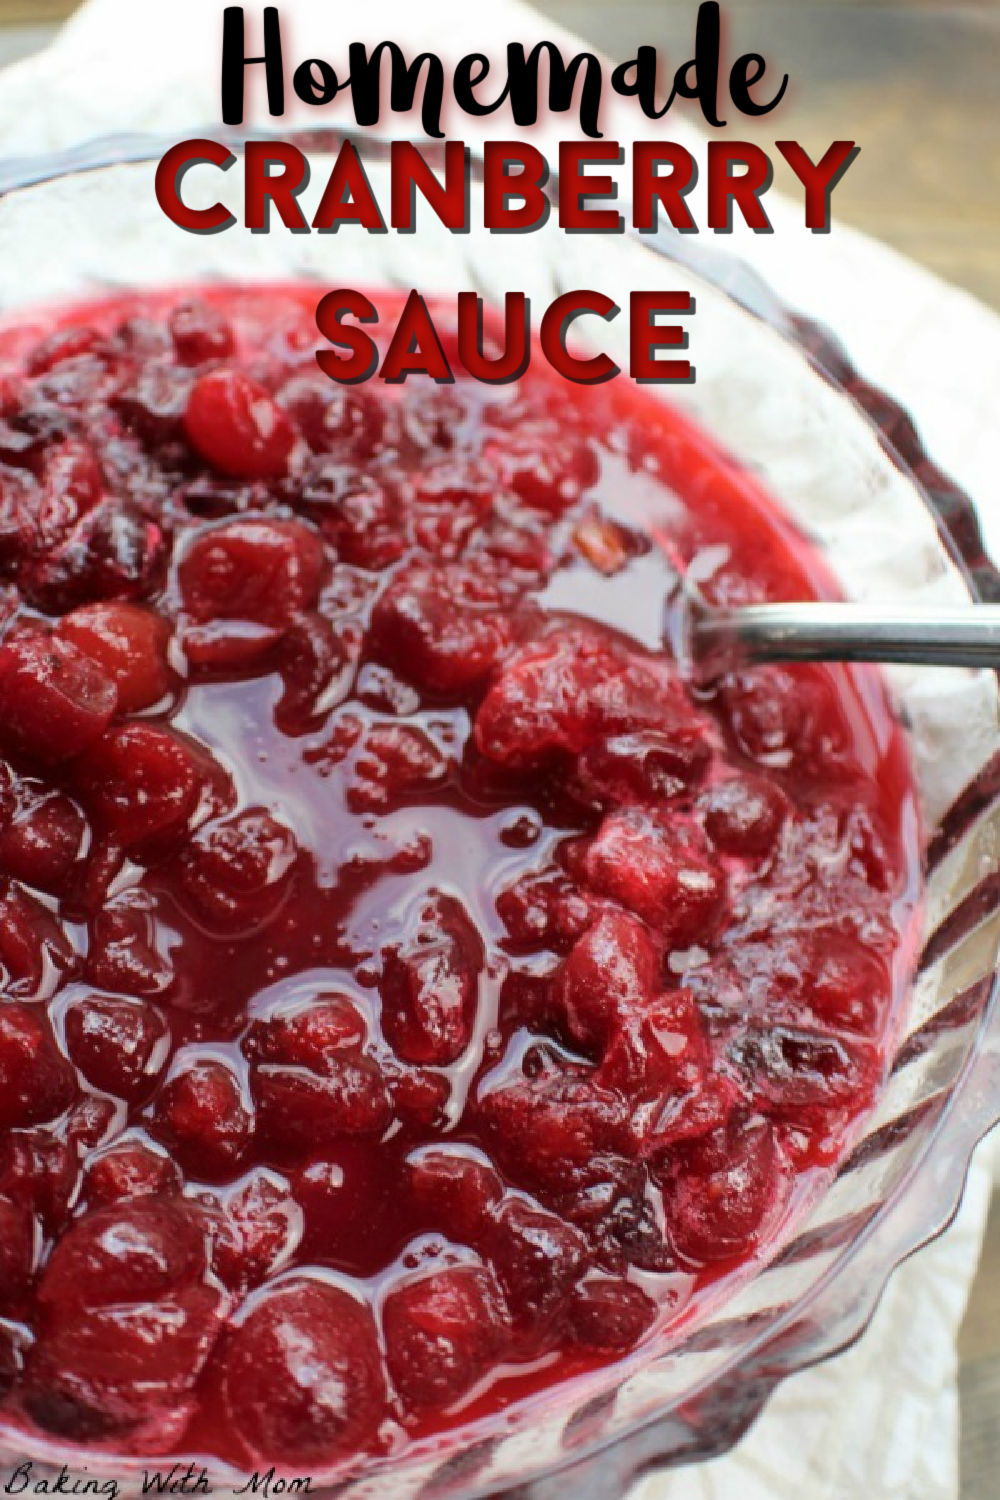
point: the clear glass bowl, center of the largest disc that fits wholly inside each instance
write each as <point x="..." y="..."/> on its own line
<point x="845" y="462"/>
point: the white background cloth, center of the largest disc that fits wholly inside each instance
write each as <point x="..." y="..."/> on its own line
<point x="881" y="1420"/>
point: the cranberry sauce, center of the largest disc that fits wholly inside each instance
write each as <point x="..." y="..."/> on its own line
<point x="411" y="994"/>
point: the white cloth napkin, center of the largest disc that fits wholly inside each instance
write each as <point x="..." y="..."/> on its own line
<point x="880" y="1421"/>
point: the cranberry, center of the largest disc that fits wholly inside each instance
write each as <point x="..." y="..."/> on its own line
<point x="788" y="1068"/>
<point x="201" y="1116"/>
<point x="720" y="1196"/>
<point x="57" y="701"/>
<point x="744" y="815"/>
<point x="112" y="1367"/>
<point x="310" y="1078"/>
<point x="36" y="1082"/>
<point x="128" y="1170"/>
<point x="236" y="872"/>
<point x="131" y="1252"/>
<point x="610" y="1314"/>
<point x="549" y="1119"/>
<point x="347" y="423"/>
<point x="651" y="767"/>
<point x="63" y="344"/>
<point x="130" y="643"/>
<point x="537" y="1259"/>
<point x="236" y="427"/>
<point x="41" y="843"/>
<point x="72" y="484"/>
<point x="662" y="1061"/>
<point x="546" y="910"/>
<point x="543" y="468"/>
<point x="260" y="1231"/>
<point x="316" y="666"/>
<point x="442" y="628"/>
<point x="302" y="1375"/>
<point x="142" y="784"/>
<point x="566" y="692"/>
<point x="430" y="984"/>
<point x="443" y="1330"/>
<point x="120" y="1046"/>
<point x="358" y="513"/>
<point x="611" y="973"/>
<point x="782" y="715"/>
<point x="18" y="1248"/>
<point x="455" y="1190"/>
<point x="200" y="332"/>
<point x="122" y="953"/>
<point x="113" y="552"/>
<point x="661" y="870"/>
<point x="251" y="569"/>
<point x="40" y="1170"/>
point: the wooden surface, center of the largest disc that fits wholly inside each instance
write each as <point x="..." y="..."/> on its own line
<point x="917" y="85"/>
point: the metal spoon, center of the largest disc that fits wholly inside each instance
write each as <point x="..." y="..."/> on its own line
<point x="707" y="640"/>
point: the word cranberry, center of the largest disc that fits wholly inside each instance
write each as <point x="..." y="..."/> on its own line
<point x="130" y="643"/>
<point x="237" y="428"/>
<point x="430" y="984"/>
<point x="442" y="1333"/>
<point x="120" y="1046"/>
<point x="57" y="700"/>
<point x="302" y="1376"/>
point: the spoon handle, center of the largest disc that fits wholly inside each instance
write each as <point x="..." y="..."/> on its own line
<point x="963" y="637"/>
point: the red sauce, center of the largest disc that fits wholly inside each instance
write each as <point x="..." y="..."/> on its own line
<point x="411" y="994"/>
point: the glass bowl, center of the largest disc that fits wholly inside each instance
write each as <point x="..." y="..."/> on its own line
<point x="845" y="462"/>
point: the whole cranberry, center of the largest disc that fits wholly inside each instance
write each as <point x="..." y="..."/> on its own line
<point x="57" y="701"/>
<point x="443" y="1331"/>
<point x="252" y="569"/>
<point x="430" y="984"/>
<point x="236" y="426"/>
<point x="143" y="785"/>
<point x="201" y="1116"/>
<point x="36" y="1082"/>
<point x="129" y="642"/>
<point x="302" y="1376"/>
<point x="120" y="1046"/>
<point x="200" y="332"/>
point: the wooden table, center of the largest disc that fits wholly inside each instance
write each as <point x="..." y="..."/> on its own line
<point x="917" y="85"/>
